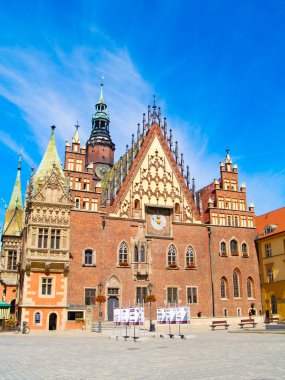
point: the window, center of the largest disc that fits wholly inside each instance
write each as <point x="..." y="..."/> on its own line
<point x="250" y="221"/>
<point x="136" y="254"/>
<point x="85" y="204"/>
<point x="46" y="286"/>
<point x="223" y="288"/>
<point x="171" y="255"/>
<point x="172" y="295"/>
<point x="43" y="238"/>
<point x="90" y="294"/>
<point x="222" y="220"/>
<point x="223" y="248"/>
<point x="236" y="284"/>
<point x="249" y="286"/>
<point x="141" y="293"/>
<point x="123" y="253"/>
<point x="234" y="247"/>
<point x="242" y="204"/>
<point x="268" y="252"/>
<point x="86" y="183"/>
<point x="78" y="165"/>
<point x="229" y="220"/>
<point x="235" y="204"/>
<point x="225" y="312"/>
<point x="244" y="249"/>
<point x="77" y="203"/>
<point x="37" y="318"/>
<point x="270" y="275"/>
<point x="214" y="218"/>
<point x="142" y="260"/>
<point x="192" y="295"/>
<point x="233" y="185"/>
<point x="243" y="221"/>
<point x="228" y="203"/>
<point x="221" y="202"/>
<point x="73" y="315"/>
<point x="226" y="184"/>
<point x="55" y="239"/>
<point x="236" y="221"/>
<point x="89" y="257"/>
<point x="190" y="256"/>
<point x="177" y="208"/>
<point x="94" y="204"/>
<point x="137" y="205"/>
<point x="12" y="260"/>
<point x="70" y="164"/>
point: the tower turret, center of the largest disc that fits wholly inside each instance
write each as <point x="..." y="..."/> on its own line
<point x="100" y="147"/>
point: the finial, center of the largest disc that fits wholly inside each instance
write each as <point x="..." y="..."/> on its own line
<point x="170" y="141"/>
<point x="101" y="99"/>
<point x="77" y="125"/>
<point x="188" y="179"/>
<point x="165" y="128"/>
<point x="138" y="136"/>
<point x="176" y="152"/>
<point x="144" y="126"/>
<point x="53" y="127"/>
<point x="182" y="165"/>
<point x="154" y="104"/>
<point x="20" y="161"/>
<point x="227" y="150"/>
<point x="102" y="77"/>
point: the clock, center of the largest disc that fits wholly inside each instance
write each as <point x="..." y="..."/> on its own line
<point x="158" y="222"/>
<point x="102" y="170"/>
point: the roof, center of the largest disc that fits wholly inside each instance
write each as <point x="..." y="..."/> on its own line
<point x="50" y="163"/>
<point x="274" y="220"/>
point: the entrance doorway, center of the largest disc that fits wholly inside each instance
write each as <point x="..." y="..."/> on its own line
<point x="113" y="302"/>
<point x="52" y="321"/>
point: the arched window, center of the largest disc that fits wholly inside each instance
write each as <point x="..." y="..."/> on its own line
<point x="37" y="317"/>
<point x="236" y="221"/>
<point x="234" y="247"/>
<point x="171" y="255"/>
<point x="236" y="284"/>
<point x="223" y="288"/>
<point x="123" y="253"/>
<point x="142" y="258"/>
<point x="137" y="204"/>
<point x="177" y="208"/>
<point x="229" y="220"/>
<point x="249" y="287"/>
<point x="223" y="248"/>
<point x="244" y="249"/>
<point x="190" y="256"/>
<point x="136" y="254"/>
<point x="88" y="257"/>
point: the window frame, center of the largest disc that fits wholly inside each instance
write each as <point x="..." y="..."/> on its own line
<point x="89" y="296"/>
<point x="123" y="254"/>
<point x="236" y="285"/>
<point x="12" y="260"/>
<point x="172" y="256"/>
<point x="193" y="297"/>
<point x="172" y="298"/>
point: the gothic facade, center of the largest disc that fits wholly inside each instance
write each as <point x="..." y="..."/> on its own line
<point x="125" y="224"/>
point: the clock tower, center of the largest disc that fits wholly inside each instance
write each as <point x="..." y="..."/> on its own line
<point x="100" y="147"/>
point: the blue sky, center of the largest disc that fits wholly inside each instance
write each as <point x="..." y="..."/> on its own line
<point x="217" y="68"/>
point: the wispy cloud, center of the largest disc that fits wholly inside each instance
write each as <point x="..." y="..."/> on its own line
<point x="15" y="147"/>
<point x="63" y="87"/>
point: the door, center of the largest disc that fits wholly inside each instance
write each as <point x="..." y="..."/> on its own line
<point x="113" y="302"/>
<point x="52" y="321"/>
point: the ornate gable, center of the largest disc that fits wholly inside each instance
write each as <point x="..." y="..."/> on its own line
<point x="154" y="180"/>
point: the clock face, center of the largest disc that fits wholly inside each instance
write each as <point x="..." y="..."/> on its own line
<point x="158" y="222"/>
<point x="102" y="170"/>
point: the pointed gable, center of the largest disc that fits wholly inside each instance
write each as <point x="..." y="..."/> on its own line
<point x="154" y="179"/>
<point x="13" y="223"/>
<point x="50" y="163"/>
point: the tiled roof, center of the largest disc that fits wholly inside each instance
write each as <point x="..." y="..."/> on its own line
<point x="275" y="219"/>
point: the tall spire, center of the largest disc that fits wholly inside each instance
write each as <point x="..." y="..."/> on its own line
<point x="50" y="163"/>
<point x="13" y="219"/>
<point x="75" y="138"/>
<point x="101" y="99"/>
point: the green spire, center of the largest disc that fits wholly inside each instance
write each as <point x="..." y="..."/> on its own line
<point x="50" y="163"/>
<point x="13" y="219"/>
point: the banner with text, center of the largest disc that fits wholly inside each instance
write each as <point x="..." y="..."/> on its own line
<point x="129" y="316"/>
<point x="173" y="314"/>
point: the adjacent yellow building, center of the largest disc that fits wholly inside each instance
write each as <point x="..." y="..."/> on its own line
<point x="271" y="252"/>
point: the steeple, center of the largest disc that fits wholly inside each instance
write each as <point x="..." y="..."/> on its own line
<point x="100" y="147"/>
<point x="50" y="163"/>
<point x="13" y="219"/>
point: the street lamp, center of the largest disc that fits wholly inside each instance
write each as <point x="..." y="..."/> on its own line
<point x="151" y="325"/>
<point x="100" y="287"/>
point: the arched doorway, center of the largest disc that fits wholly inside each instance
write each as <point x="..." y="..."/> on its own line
<point x="52" y="321"/>
<point x="113" y="294"/>
<point x="13" y="306"/>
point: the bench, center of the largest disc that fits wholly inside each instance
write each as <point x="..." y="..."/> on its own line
<point x="247" y="322"/>
<point x="219" y="323"/>
<point x="271" y="320"/>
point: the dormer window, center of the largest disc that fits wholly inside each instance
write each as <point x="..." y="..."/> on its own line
<point x="270" y="228"/>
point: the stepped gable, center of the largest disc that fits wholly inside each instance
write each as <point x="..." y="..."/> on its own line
<point x="132" y="170"/>
<point x="13" y="223"/>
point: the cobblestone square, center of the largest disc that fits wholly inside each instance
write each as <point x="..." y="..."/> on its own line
<point x="85" y="355"/>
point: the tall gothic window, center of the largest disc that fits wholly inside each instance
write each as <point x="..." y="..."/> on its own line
<point x="171" y="255"/>
<point x="136" y="254"/>
<point x="236" y="284"/>
<point x="223" y="288"/>
<point x="234" y="247"/>
<point x="244" y="249"/>
<point x="142" y="258"/>
<point x="190" y="256"/>
<point x="223" y="248"/>
<point x="249" y="286"/>
<point x="123" y="253"/>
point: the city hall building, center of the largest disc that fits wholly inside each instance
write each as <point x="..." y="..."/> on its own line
<point x="126" y="224"/>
